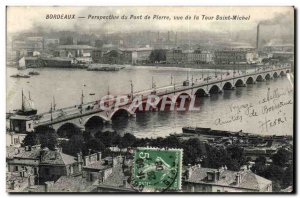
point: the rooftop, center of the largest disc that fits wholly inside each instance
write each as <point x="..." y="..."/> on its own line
<point x="248" y="180"/>
<point x="57" y="158"/>
<point x="75" y="47"/>
<point x="116" y="178"/>
<point x="98" y="165"/>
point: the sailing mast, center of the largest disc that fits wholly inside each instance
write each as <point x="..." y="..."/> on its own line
<point x="23" y="107"/>
<point x="54" y="105"/>
<point x="81" y="101"/>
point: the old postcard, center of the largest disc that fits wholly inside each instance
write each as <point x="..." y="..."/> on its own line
<point x="150" y="99"/>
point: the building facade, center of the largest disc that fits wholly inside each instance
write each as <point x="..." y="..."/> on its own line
<point x="198" y="56"/>
<point x="199" y="179"/>
<point x="234" y="56"/>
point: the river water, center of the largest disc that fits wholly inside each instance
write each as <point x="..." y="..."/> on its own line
<point x="240" y="109"/>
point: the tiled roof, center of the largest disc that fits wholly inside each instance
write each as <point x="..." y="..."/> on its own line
<point x="249" y="180"/>
<point x="97" y="165"/>
<point x="72" y="184"/>
<point x="116" y="178"/>
<point x="33" y="154"/>
<point x="57" y="158"/>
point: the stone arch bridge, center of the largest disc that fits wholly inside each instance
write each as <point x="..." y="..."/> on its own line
<point x="75" y="116"/>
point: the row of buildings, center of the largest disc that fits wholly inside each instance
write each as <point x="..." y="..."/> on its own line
<point x="33" y="48"/>
<point x="33" y="169"/>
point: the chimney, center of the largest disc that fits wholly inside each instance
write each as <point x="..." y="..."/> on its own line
<point x="99" y="156"/>
<point x="257" y="37"/>
<point x="57" y="151"/>
<point x="12" y="185"/>
<point x="86" y="160"/>
<point x="189" y="172"/>
<point x="125" y="183"/>
<point x="48" y="186"/>
<point x="43" y="153"/>
<point x="238" y="178"/>
<point x="79" y="157"/>
<point x="22" y="173"/>
<point x="27" y="148"/>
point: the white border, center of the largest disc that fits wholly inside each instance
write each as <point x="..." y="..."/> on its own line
<point x="3" y="4"/>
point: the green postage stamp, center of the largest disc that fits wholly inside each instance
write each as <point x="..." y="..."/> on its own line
<point x="156" y="168"/>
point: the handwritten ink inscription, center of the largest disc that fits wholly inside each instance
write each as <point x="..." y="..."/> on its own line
<point x="269" y="110"/>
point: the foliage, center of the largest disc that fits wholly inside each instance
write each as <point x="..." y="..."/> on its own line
<point x="43" y="135"/>
<point x="75" y="145"/>
<point x="281" y="157"/>
<point x="30" y="140"/>
<point x="127" y="140"/>
<point x="157" y="55"/>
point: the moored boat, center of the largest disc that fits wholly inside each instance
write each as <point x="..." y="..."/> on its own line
<point x="27" y="108"/>
<point x="33" y="73"/>
<point x="20" y="76"/>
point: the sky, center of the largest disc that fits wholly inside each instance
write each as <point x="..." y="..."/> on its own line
<point x="21" y="19"/>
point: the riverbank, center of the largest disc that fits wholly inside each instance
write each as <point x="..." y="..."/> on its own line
<point x="204" y="66"/>
<point x="192" y="66"/>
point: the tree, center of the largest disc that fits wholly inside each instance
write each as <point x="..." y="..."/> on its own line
<point x="157" y="55"/>
<point x="48" y="139"/>
<point x="127" y="140"/>
<point x="287" y="180"/>
<point x="95" y="145"/>
<point x="43" y="135"/>
<point x="193" y="151"/>
<point x="171" y="142"/>
<point x="108" y="138"/>
<point x="236" y="153"/>
<point x="30" y="140"/>
<point x="261" y="160"/>
<point x="281" y="157"/>
<point x="215" y="157"/>
<point x="75" y="145"/>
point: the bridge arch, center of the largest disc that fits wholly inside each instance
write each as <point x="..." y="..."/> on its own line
<point x="267" y="76"/>
<point x="259" y="78"/>
<point x="227" y="86"/>
<point x="183" y="99"/>
<point x="250" y="80"/>
<point x="170" y="102"/>
<point x="214" y="89"/>
<point x="177" y="97"/>
<point x="68" y="129"/>
<point x="122" y="112"/>
<point x="94" y="121"/>
<point x="239" y="83"/>
<point x="201" y="92"/>
<point x="275" y="75"/>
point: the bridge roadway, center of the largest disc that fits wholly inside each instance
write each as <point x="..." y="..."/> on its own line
<point x="90" y="108"/>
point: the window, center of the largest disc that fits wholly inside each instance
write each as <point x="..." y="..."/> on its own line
<point x="16" y="141"/>
<point x="47" y="171"/>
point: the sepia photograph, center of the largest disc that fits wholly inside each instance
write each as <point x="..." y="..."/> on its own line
<point x="150" y="99"/>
